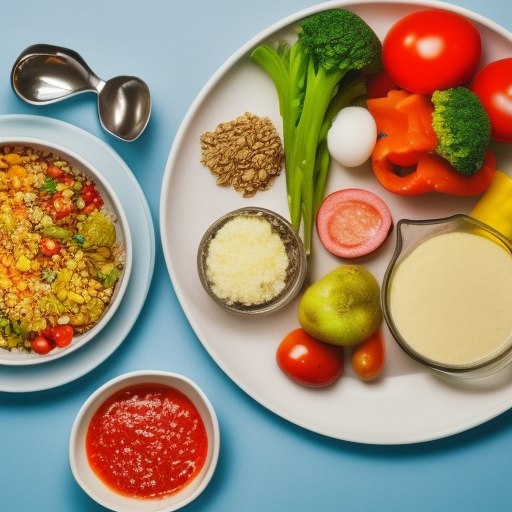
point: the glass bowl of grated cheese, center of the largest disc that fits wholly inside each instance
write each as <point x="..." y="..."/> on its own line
<point x="252" y="262"/>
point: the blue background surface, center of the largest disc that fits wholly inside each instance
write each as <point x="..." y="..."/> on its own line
<point x="265" y="463"/>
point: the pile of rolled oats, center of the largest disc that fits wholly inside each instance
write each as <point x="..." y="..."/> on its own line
<point x="245" y="153"/>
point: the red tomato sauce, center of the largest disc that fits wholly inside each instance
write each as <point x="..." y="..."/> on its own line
<point x="147" y="441"/>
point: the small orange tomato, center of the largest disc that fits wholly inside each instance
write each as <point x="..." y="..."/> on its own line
<point x="308" y="361"/>
<point x="368" y="357"/>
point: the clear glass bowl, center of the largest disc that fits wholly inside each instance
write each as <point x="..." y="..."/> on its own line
<point x="295" y="274"/>
<point x="410" y="235"/>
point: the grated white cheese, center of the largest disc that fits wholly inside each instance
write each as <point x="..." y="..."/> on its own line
<point x="247" y="261"/>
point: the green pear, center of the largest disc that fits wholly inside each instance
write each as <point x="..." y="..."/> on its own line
<point x="343" y="307"/>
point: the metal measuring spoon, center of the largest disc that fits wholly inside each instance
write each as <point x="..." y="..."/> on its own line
<point x="45" y="74"/>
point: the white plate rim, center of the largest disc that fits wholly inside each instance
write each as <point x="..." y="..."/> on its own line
<point x="20" y="379"/>
<point x="431" y="431"/>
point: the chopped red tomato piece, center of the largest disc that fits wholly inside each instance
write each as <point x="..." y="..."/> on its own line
<point x="54" y="172"/>
<point x="63" y="206"/>
<point x="92" y="198"/>
<point x="49" y="246"/>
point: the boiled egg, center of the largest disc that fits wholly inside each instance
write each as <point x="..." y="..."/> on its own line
<point x="352" y="136"/>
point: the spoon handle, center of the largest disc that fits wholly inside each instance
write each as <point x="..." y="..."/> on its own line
<point x="45" y="73"/>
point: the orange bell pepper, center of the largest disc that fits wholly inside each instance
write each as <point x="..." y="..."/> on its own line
<point x="404" y="159"/>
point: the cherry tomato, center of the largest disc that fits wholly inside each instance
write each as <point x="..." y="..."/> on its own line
<point x="62" y="335"/>
<point x="493" y="85"/>
<point x="92" y="198"/>
<point x="368" y="357"/>
<point x="431" y="49"/>
<point x="41" y="345"/>
<point x="63" y="206"/>
<point x="54" y="172"/>
<point x="309" y="361"/>
<point x="49" y="246"/>
<point x="90" y="194"/>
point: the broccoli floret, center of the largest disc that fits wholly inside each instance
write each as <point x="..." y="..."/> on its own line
<point x="463" y="129"/>
<point x="339" y="40"/>
<point x="334" y="51"/>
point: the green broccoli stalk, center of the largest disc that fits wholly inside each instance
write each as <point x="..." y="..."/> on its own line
<point x="463" y="129"/>
<point x="309" y="76"/>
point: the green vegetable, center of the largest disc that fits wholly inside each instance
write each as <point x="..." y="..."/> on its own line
<point x="49" y="185"/>
<point x="463" y="129"/>
<point x="49" y="275"/>
<point x="58" y="233"/>
<point x="97" y="230"/>
<point x="325" y="66"/>
<point x="109" y="279"/>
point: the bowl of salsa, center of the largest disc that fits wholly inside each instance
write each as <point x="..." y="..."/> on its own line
<point x="145" y="441"/>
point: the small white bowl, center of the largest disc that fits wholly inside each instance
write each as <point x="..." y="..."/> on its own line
<point x="97" y="490"/>
<point x="113" y="204"/>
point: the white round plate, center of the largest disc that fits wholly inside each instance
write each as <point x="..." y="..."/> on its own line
<point x="406" y="404"/>
<point x="19" y="379"/>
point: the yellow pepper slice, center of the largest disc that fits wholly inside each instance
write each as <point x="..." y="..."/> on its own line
<point x="494" y="207"/>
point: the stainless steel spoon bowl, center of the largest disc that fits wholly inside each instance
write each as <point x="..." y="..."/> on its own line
<point x="44" y="74"/>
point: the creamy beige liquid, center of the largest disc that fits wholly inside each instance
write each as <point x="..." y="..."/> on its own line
<point x="451" y="298"/>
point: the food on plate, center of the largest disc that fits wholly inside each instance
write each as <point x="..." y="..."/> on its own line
<point x="247" y="261"/>
<point x="59" y="259"/>
<point x="462" y="127"/>
<point x="404" y="159"/>
<point x="322" y="72"/>
<point x="450" y="298"/>
<point x="378" y="86"/>
<point x="308" y="361"/>
<point x="369" y="356"/>
<point x="430" y="50"/>
<point x="343" y="307"/>
<point x="353" y="222"/>
<point x="493" y="85"/>
<point x="147" y="441"/>
<point x="352" y="136"/>
<point x="494" y="207"/>
<point x="245" y="153"/>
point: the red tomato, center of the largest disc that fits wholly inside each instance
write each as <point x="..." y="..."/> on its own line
<point x="368" y="357"/>
<point x="90" y="193"/>
<point x="62" y="335"/>
<point x="49" y="246"/>
<point x="54" y="172"/>
<point x="378" y="86"/>
<point x="431" y="49"/>
<point x="309" y="361"/>
<point x="41" y="345"/>
<point x="493" y="85"/>
<point x="92" y="198"/>
<point x="63" y="206"/>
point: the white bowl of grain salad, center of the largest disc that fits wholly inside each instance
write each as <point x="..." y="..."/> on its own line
<point x="65" y="251"/>
<point x="252" y="262"/>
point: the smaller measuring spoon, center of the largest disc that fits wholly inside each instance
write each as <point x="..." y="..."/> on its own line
<point x="46" y="74"/>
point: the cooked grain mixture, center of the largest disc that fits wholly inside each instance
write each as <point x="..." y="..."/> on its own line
<point x="246" y="153"/>
<point x="247" y="261"/>
<point x="59" y="260"/>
